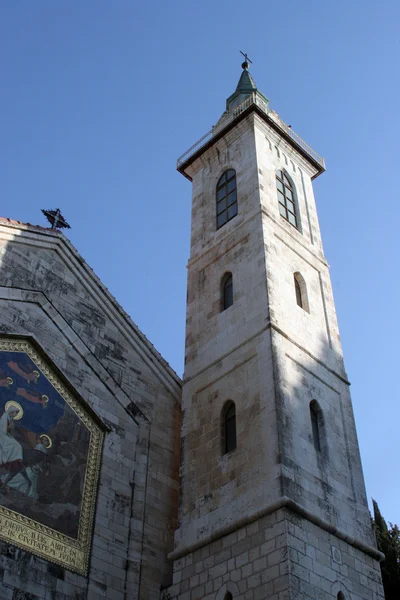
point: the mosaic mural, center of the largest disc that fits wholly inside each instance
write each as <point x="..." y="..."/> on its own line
<point x="50" y="450"/>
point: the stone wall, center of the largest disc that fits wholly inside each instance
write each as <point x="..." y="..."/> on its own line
<point x="48" y="292"/>
<point x="272" y="358"/>
<point x="228" y="353"/>
<point x="282" y="556"/>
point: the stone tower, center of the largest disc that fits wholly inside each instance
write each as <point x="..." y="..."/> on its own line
<point x="272" y="500"/>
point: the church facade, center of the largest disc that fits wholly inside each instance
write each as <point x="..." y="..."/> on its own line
<point x="90" y="460"/>
<point x="244" y="481"/>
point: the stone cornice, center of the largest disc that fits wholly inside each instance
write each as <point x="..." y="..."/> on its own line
<point x="252" y="108"/>
<point x="280" y="331"/>
<point x="283" y="503"/>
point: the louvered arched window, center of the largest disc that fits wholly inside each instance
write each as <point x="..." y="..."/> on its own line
<point x="227" y="291"/>
<point x="226" y="198"/>
<point x="286" y="198"/>
<point x="228" y="427"/>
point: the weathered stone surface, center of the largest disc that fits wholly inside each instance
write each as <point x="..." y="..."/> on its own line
<point x="287" y="570"/>
<point x="283" y="502"/>
<point x="47" y="292"/>
<point x="281" y="517"/>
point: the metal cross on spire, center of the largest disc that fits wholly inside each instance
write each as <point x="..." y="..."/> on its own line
<point x="245" y="65"/>
<point x="56" y="219"/>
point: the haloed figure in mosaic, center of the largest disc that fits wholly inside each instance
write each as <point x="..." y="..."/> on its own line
<point x="10" y="449"/>
<point x="28" y="483"/>
<point x="43" y="447"/>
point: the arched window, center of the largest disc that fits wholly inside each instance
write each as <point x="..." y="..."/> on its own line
<point x="227" y="291"/>
<point x="301" y="291"/>
<point x="228" y="427"/>
<point x="228" y="596"/>
<point x="226" y="198"/>
<point x="340" y="596"/>
<point x="286" y="199"/>
<point x="316" y="424"/>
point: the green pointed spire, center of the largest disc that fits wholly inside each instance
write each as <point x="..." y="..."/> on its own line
<point x="246" y="82"/>
<point x="245" y="87"/>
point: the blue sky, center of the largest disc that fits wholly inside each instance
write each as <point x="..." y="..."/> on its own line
<point x="99" y="98"/>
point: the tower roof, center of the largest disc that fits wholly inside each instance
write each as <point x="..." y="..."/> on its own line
<point x="246" y="87"/>
<point x="245" y="99"/>
<point x="246" y="82"/>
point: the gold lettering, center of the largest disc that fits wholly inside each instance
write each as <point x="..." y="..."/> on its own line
<point x="45" y="545"/>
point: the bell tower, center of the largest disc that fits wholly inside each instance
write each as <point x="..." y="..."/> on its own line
<point x="272" y="498"/>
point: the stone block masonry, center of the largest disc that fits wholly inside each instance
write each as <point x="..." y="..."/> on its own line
<point x="48" y="294"/>
<point x="283" y="514"/>
<point x="282" y="556"/>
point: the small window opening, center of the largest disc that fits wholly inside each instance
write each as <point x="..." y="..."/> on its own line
<point x="228" y="596"/>
<point x="298" y="293"/>
<point x="228" y="423"/>
<point x="316" y="424"/>
<point x="340" y="596"/>
<point x="301" y="291"/>
<point x="227" y="291"/>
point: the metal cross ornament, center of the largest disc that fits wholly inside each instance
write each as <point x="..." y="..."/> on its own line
<point x="246" y="58"/>
<point x="56" y="219"/>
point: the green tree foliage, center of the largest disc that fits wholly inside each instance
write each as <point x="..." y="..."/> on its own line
<point x="388" y="541"/>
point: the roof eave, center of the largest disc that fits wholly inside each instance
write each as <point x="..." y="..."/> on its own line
<point x="253" y="107"/>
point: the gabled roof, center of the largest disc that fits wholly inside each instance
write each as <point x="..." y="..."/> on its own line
<point x="71" y="256"/>
<point x="8" y="221"/>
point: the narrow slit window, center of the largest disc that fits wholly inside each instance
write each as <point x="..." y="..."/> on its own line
<point x="226" y="197"/>
<point x="298" y="293"/>
<point x="227" y="291"/>
<point x="316" y="424"/>
<point x="287" y="207"/>
<point x="228" y="423"/>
